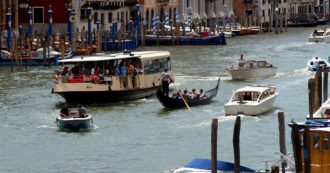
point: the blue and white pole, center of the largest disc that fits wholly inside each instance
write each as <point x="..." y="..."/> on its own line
<point x="89" y="25"/>
<point x="154" y="26"/>
<point x="167" y="19"/>
<point x="8" y="26"/>
<point x="177" y="17"/>
<point x="30" y="22"/>
<point x="50" y="21"/>
<point x="189" y="19"/>
<point x="70" y="23"/>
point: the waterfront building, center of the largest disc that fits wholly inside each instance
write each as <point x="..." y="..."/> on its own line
<point x="104" y="12"/>
<point x="161" y="8"/>
<point x="268" y="10"/>
<point x="40" y="14"/>
<point x="206" y="9"/>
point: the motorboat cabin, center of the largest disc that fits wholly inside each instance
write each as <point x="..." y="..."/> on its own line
<point x="250" y="69"/>
<point x="251" y="100"/>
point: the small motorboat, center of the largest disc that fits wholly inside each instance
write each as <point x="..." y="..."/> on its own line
<point x="204" y="165"/>
<point x="250" y="69"/>
<point x="251" y="100"/>
<point x="176" y="102"/>
<point x="316" y="62"/>
<point x="320" y="35"/>
<point x="74" y="122"/>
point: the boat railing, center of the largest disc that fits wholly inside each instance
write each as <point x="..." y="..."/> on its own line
<point x="288" y="159"/>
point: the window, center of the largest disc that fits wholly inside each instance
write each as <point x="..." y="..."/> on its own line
<point x="117" y="16"/>
<point x="325" y="142"/>
<point x="83" y="14"/>
<point x="109" y="17"/>
<point x="122" y="16"/>
<point x="316" y="141"/>
<point x="38" y="15"/>
<point x="156" y="66"/>
<point x="263" y="13"/>
<point x="95" y="17"/>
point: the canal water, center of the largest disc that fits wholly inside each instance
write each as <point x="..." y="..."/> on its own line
<point x="142" y="136"/>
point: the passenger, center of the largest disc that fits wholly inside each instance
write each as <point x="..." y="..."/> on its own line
<point x="193" y="94"/>
<point x="131" y="71"/>
<point x="56" y="77"/>
<point x="82" y="111"/>
<point x="117" y="71"/>
<point x="65" y="71"/>
<point x="185" y="94"/>
<point x="64" y="113"/>
<point x="123" y="72"/>
<point x="201" y="94"/>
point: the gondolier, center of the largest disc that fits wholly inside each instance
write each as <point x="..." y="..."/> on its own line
<point x="166" y="80"/>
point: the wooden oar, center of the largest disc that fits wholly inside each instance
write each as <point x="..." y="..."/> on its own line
<point x="184" y="100"/>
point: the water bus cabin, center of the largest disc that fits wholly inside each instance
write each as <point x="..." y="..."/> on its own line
<point x="112" y="77"/>
<point x="319" y="149"/>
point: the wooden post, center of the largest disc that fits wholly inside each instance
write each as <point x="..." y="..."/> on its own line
<point x="296" y="146"/>
<point x="236" y="145"/>
<point x="325" y="83"/>
<point x="318" y="91"/>
<point x="275" y="169"/>
<point x="286" y="23"/>
<point x="311" y="92"/>
<point x="172" y="37"/>
<point x="214" y="141"/>
<point x="281" y="23"/>
<point x="177" y="33"/>
<point x="307" y="158"/>
<point x="281" y="124"/>
<point x="270" y="22"/>
<point x="143" y="35"/>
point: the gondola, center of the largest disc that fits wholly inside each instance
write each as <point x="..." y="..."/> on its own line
<point x="170" y="102"/>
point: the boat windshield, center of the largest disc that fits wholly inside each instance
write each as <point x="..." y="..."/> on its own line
<point x="246" y="96"/>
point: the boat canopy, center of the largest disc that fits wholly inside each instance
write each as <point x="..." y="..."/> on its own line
<point x="221" y="165"/>
<point x="141" y="55"/>
<point x="256" y="88"/>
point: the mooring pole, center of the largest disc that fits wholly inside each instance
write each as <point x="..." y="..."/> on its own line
<point x="296" y="145"/>
<point x="8" y="25"/>
<point x="214" y="143"/>
<point x="325" y="83"/>
<point x="50" y="22"/>
<point x="311" y="92"/>
<point x="281" y="124"/>
<point x="236" y="145"/>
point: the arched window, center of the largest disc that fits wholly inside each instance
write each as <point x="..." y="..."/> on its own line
<point x="170" y="15"/>
<point x="147" y="19"/>
<point x="118" y="19"/>
<point x="109" y="17"/>
<point x="95" y="17"/>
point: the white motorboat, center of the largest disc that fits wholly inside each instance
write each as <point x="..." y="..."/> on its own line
<point x="323" y="113"/>
<point x="74" y="122"/>
<point x="250" y="69"/>
<point x="315" y="62"/>
<point x="320" y="35"/>
<point x="251" y="100"/>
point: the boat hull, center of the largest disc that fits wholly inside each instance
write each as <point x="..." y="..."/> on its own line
<point x="251" y="109"/>
<point x="167" y="40"/>
<point x="325" y="39"/>
<point x="252" y="73"/>
<point x="74" y="123"/>
<point x="106" y="96"/>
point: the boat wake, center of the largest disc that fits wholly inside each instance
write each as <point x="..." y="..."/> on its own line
<point x="295" y="73"/>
